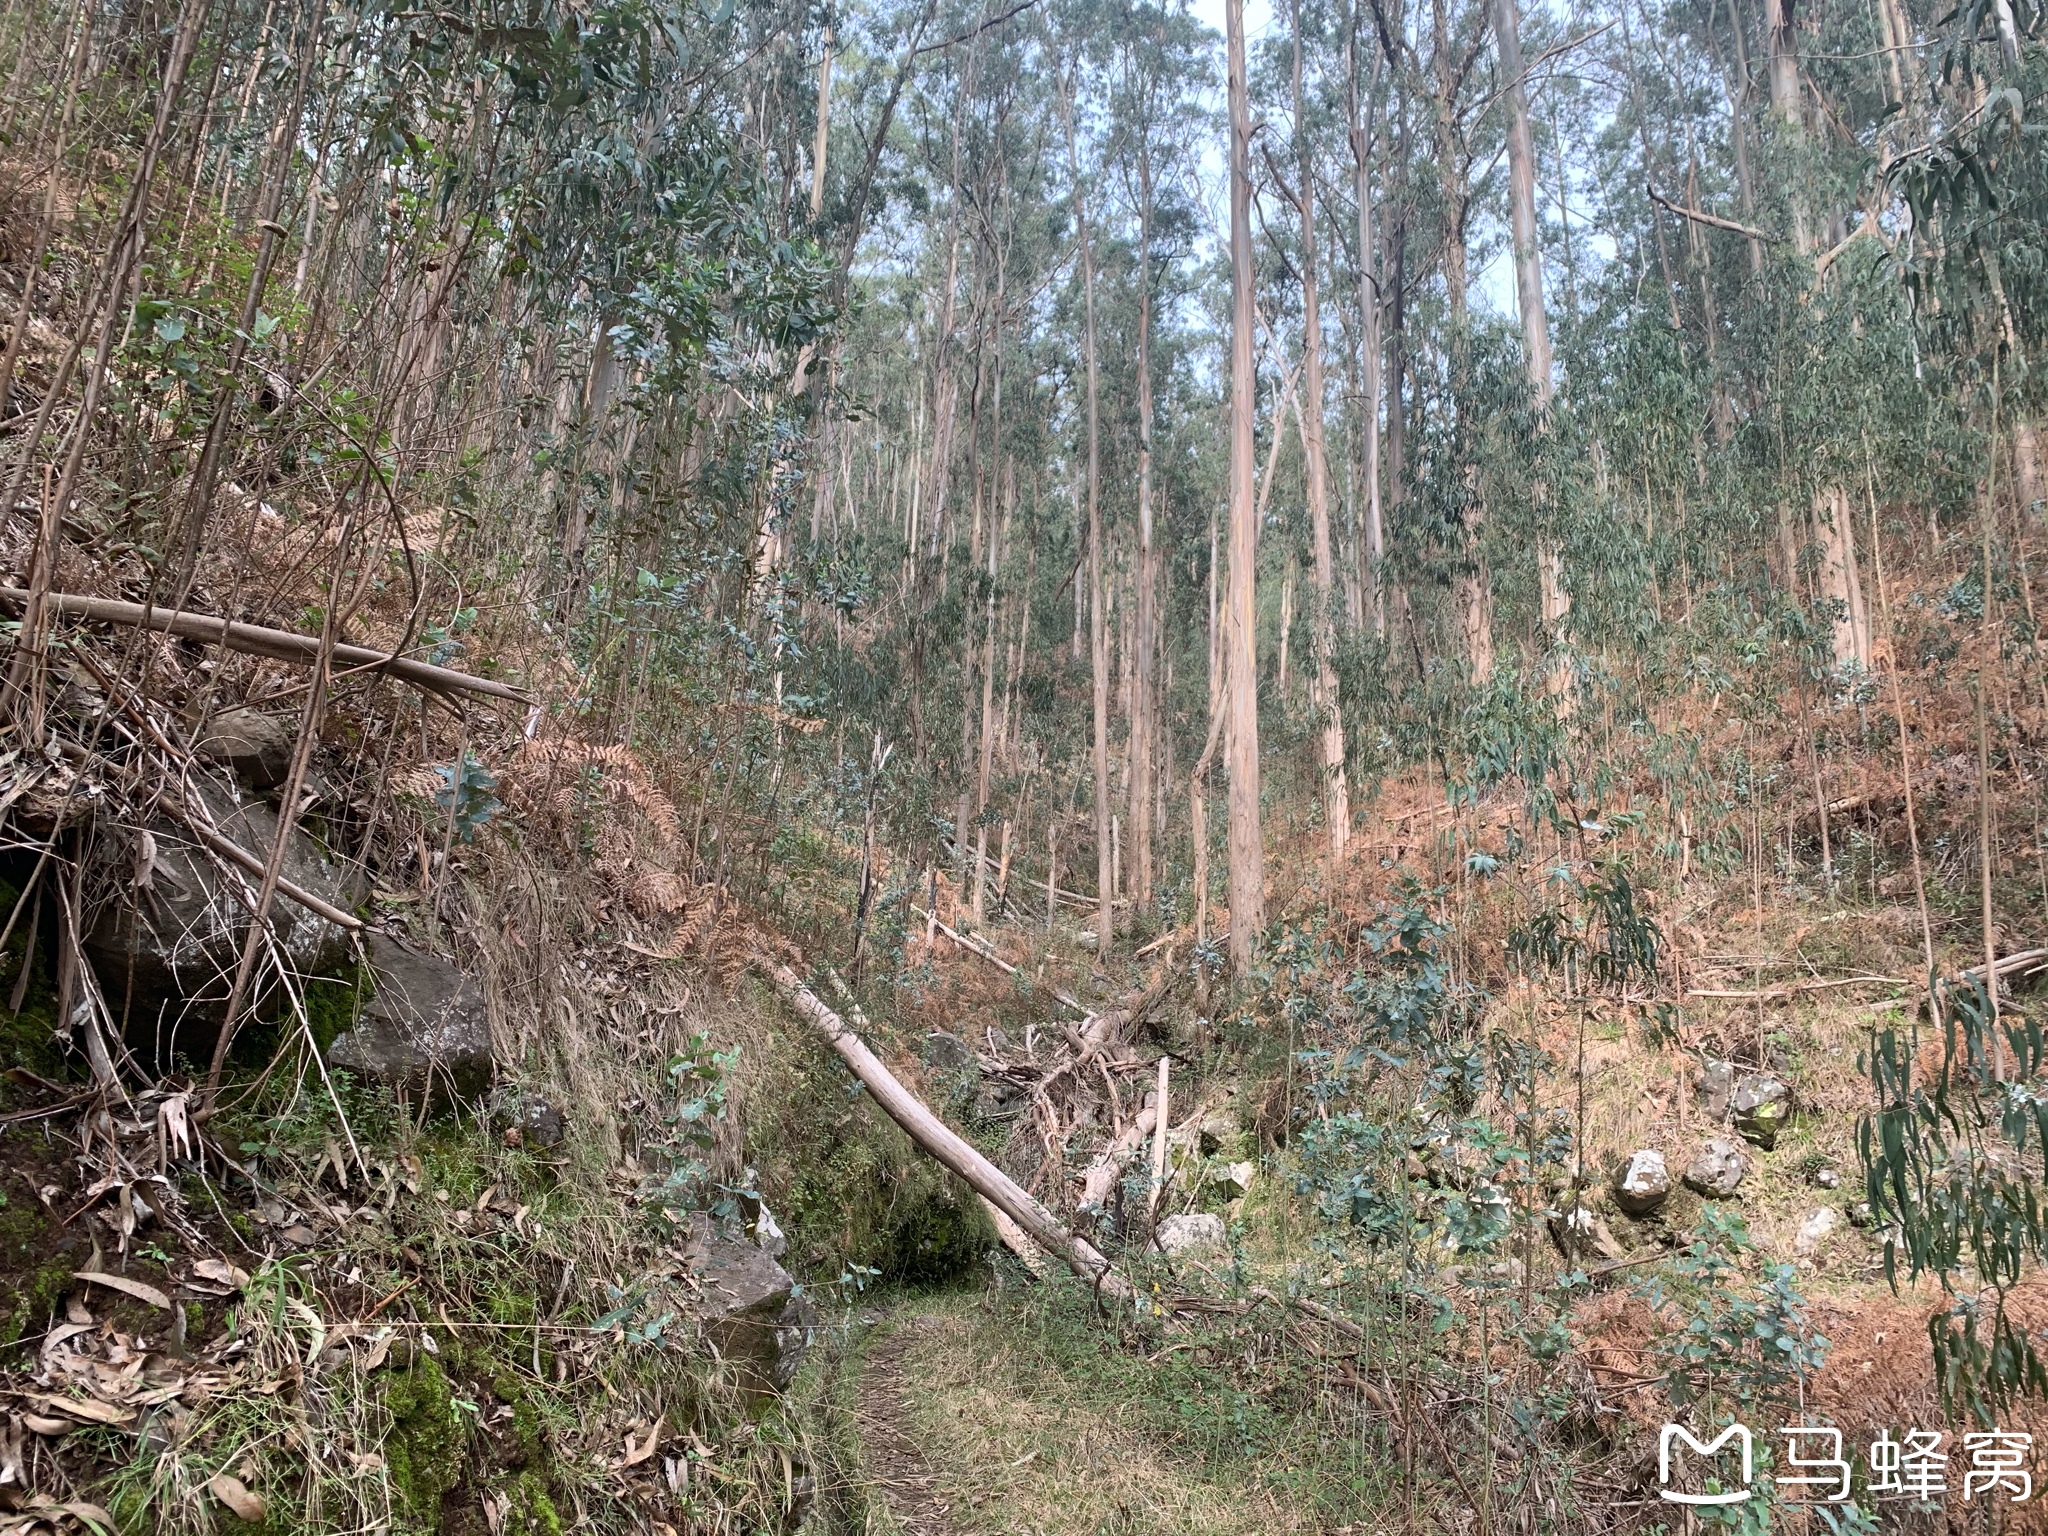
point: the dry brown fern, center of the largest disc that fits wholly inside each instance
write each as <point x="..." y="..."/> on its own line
<point x="564" y="775"/>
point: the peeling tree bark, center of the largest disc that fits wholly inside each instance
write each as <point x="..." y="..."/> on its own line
<point x="1840" y="582"/>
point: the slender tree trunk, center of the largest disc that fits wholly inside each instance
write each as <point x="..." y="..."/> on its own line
<point x="1522" y="204"/>
<point x="109" y="294"/>
<point x="1198" y="776"/>
<point x="821" y="140"/>
<point x="1536" y="353"/>
<point x="1738" y="139"/>
<point x="1837" y="535"/>
<point x="1396" y="268"/>
<point x="1472" y="586"/>
<point x="1700" y="257"/>
<point x="1783" y="62"/>
<point x="199" y="504"/>
<point x="1373" y="540"/>
<point x="1098" y="629"/>
<point x="47" y="224"/>
<point x="1144" y="693"/>
<point x="1241" y="708"/>
<point x="1664" y="267"/>
<point x="1323" y="698"/>
<point x="984" y="769"/>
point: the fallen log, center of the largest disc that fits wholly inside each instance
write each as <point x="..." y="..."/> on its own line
<point x="943" y="1142"/>
<point x="259" y="640"/>
<point x="1014" y="1237"/>
<point x="2024" y="963"/>
<point x="1791" y="989"/>
<point x="1107" y="1171"/>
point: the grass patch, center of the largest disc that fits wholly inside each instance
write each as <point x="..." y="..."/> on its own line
<point x="1038" y="1421"/>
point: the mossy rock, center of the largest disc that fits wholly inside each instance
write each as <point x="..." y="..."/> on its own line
<point x="531" y="1512"/>
<point x="1670" y="1224"/>
<point x="527" y="1447"/>
<point x="426" y="1446"/>
<point x="28" y="1038"/>
<point x="37" y="1278"/>
<point x="335" y="1003"/>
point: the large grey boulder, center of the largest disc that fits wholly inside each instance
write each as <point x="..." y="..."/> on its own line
<point x="1643" y="1184"/>
<point x="255" y="747"/>
<point x="947" y="1052"/>
<point x="425" y="1027"/>
<point x="750" y="1307"/>
<point x="165" y="924"/>
<point x="1762" y="1106"/>
<point x="1719" y="1169"/>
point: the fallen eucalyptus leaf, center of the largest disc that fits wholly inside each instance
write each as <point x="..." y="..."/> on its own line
<point x="221" y="1272"/>
<point x="141" y="1290"/>
<point x="87" y="1410"/>
<point x="236" y="1494"/>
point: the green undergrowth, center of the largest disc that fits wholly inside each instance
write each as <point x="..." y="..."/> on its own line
<point x="524" y="1354"/>
<point x="36" y="1275"/>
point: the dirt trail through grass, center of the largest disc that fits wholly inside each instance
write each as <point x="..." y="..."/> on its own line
<point x="891" y="1446"/>
<point x="974" y="1422"/>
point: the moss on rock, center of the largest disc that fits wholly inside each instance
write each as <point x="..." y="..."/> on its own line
<point x="425" y="1448"/>
<point x="532" y="1512"/>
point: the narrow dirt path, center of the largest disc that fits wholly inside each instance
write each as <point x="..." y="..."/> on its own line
<point x="977" y="1414"/>
<point x="894" y="1462"/>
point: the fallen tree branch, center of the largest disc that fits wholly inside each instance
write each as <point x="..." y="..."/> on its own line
<point x="2021" y="963"/>
<point x="1107" y="1171"/>
<point x="234" y="853"/>
<point x="2014" y="965"/>
<point x="945" y="1144"/>
<point x="1767" y="994"/>
<point x="258" y="640"/>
